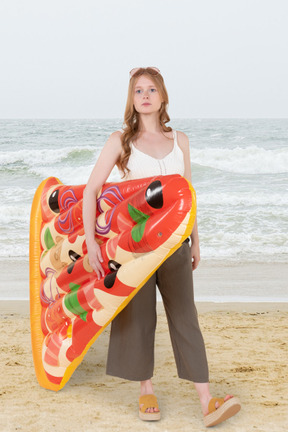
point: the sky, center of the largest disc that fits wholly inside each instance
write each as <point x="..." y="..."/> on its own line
<point x="71" y="58"/>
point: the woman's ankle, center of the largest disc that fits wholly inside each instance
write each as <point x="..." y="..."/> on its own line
<point x="204" y="395"/>
<point x="146" y="387"/>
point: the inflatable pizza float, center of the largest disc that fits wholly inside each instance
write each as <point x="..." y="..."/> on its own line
<point x="139" y="224"/>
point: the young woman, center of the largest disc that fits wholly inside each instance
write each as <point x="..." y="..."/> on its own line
<point x="147" y="147"/>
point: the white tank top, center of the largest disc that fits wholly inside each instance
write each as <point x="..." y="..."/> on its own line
<point x="142" y="165"/>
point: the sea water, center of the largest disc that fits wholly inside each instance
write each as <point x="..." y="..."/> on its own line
<point x="239" y="172"/>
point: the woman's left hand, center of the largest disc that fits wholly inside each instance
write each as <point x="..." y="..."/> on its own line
<point x="195" y="255"/>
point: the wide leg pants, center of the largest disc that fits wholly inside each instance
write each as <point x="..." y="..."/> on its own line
<point x="131" y="346"/>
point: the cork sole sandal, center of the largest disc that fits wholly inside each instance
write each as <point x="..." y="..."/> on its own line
<point x="223" y="412"/>
<point x="148" y="401"/>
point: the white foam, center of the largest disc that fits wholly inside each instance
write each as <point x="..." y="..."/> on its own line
<point x="242" y="160"/>
<point x="11" y="215"/>
<point x="237" y="252"/>
<point x="67" y="175"/>
<point x="16" y="194"/>
<point x="70" y="175"/>
<point x="15" y="250"/>
<point x="37" y="156"/>
<point x="249" y="198"/>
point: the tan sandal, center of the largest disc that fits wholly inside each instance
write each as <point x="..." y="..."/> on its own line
<point x="148" y="401"/>
<point x="225" y="410"/>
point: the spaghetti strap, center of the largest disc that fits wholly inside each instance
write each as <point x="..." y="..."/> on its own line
<point x="174" y="136"/>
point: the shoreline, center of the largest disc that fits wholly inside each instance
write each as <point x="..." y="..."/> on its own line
<point x="214" y="282"/>
<point x="21" y="307"/>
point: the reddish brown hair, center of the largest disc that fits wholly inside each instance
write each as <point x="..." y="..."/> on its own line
<point x="131" y="116"/>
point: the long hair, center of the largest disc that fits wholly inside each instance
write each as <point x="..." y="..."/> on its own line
<point x="131" y="117"/>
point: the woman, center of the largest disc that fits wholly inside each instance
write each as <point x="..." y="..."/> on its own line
<point x="147" y="147"/>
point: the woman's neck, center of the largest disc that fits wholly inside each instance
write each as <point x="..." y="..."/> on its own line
<point x="149" y="123"/>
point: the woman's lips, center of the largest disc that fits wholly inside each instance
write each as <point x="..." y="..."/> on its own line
<point x="146" y="103"/>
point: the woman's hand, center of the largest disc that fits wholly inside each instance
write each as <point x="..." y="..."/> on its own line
<point x="95" y="259"/>
<point x="195" y="254"/>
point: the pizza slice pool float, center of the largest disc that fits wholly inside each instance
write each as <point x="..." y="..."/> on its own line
<point x="139" y="224"/>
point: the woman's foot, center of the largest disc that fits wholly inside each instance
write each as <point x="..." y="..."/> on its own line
<point x="216" y="410"/>
<point x="205" y="403"/>
<point x="147" y="389"/>
<point x="220" y="409"/>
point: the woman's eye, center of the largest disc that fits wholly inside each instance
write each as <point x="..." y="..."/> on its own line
<point x="138" y="91"/>
<point x="153" y="90"/>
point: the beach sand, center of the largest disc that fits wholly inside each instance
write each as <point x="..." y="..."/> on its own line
<point x="247" y="353"/>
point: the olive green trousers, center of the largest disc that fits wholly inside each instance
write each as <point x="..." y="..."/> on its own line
<point x="131" y="346"/>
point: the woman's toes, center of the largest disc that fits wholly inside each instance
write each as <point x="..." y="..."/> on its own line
<point x="152" y="409"/>
<point x="227" y="397"/>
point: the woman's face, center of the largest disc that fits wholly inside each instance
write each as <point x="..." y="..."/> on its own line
<point x="146" y="99"/>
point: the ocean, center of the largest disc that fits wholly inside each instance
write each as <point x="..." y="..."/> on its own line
<point x="239" y="172"/>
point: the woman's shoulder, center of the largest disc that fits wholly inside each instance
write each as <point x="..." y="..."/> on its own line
<point x="115" y="136"/>
<point x="114" y="142"/>
<point x="117" y="133"/>
<point x="182" y="140"/>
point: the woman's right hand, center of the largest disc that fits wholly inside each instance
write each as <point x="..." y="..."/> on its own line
<point x="95" y="259"/>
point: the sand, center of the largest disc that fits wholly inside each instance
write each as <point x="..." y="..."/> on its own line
<point x="247" y="353"/>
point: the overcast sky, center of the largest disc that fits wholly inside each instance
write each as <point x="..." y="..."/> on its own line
<point x="71" y="58"/>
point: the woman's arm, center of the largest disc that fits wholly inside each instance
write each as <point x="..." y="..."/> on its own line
<point x="183" y="142"/>
<point x="103" y="167"/>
